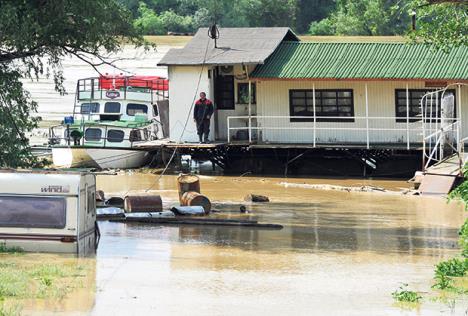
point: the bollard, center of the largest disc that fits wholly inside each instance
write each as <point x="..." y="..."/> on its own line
<point x="145" y="203"/>
<point x="196" y="199"/>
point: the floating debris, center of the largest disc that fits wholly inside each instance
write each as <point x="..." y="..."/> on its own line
<point x="143" y="203"/>
<point x="256" y="198"/>
<point x="188" y="210"/>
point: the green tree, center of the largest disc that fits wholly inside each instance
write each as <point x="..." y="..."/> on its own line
<point x="264" y="13"/>
<point x="441" y="23"/>
<point x="148" y="22"/>
<point x="34" y="37"/>
<point x="364" y="17"/>
<point x="308" y="11"/>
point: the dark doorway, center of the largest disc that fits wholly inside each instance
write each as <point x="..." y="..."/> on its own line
<point x="224" y="92"/>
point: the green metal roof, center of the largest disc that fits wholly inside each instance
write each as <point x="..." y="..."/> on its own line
<point x="303" y="60"/>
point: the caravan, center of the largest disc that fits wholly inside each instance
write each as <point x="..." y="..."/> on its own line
<point x="48" y="211"/>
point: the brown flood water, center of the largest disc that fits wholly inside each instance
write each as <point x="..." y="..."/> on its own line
<point x="339" y="253"/>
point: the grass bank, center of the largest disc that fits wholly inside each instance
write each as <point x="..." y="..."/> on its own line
<point x="37" y="276"/>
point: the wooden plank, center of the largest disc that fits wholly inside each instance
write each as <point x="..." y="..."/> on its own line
<point x="436" y="184"/>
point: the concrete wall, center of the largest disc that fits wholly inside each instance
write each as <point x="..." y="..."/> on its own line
<point x="273" y="100"/>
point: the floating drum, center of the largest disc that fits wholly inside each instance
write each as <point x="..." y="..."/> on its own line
<point x="144" y="203"/>
<point x="196" y="199"/>
<point x="188" y="183"/>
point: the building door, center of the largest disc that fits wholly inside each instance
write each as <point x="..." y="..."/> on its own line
<point x="224" y="103"/>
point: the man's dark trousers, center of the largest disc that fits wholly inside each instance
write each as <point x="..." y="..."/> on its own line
<point x="203" y="128"/>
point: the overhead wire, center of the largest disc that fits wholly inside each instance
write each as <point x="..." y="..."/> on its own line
<point x="186" y="120"/>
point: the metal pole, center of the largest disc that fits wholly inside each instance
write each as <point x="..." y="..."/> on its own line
<point x="250" y="110"/>
<point x="315" y="117"/>
<point x="367" y="118"/>
<point x="460" y="125"/>
<point x="228" y="130"/>
<point x="407" y="119"/>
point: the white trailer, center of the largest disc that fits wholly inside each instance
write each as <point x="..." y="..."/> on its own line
<point x="48" y="211"/>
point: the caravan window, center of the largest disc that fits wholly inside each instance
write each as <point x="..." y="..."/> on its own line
<point x="112" y="107"/>
<point x="93" y="135"/>
<point x="337" y="104"/>
<point x="32" y="212"/>
<point x="87" y="108"/>
<point x="134" y="108"/>
<point x="115" y="136"/>
<point x="414" y="102"/>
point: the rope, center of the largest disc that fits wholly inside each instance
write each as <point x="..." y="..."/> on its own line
<point x="186" y="121"/>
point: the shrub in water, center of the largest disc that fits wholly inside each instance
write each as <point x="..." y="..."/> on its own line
<point x="405" y="295"/>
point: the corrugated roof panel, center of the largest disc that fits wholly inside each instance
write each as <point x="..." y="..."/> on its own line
<point x="364" y="61"/>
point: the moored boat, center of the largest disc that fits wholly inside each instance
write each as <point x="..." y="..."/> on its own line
<point x="111" y="116"/>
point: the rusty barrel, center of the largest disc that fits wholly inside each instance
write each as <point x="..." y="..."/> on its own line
<point x="196" y="199"/>
<point x="187" y="183"/>
<point x="143" y="203"/>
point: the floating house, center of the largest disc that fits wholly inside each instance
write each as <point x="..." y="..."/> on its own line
<point x="275" y="96"/>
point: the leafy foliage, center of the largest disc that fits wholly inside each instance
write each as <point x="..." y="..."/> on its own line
<point x="405" y="295"/>
<point x="34" y="37"/>
<point x="445" y="270"/>
<point x="188" y="15"/>
<point x="443" y="24"/>
<point x="364" y="17"/>
<point x="463" y="241"/>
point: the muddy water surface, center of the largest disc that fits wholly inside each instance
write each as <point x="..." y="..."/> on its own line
<point x="339" y="253"/>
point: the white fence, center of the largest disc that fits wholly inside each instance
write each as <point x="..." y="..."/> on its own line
<point x="404" y="131"/>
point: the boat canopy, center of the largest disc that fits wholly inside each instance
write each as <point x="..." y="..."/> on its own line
<point x="116" y="82"/>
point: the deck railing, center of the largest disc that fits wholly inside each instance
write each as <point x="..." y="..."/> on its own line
<point x="364" y="130"/>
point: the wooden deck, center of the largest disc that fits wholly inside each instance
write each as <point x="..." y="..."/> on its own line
<point x="152" y="145"/>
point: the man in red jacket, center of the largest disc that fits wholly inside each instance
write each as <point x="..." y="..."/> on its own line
<point x="202" y="114"/>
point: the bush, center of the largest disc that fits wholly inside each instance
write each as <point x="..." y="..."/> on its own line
<point x="172" y="22"/>
<point x="149" y="22"/>
<point x="324" y="27"/>
<point x="405" y="295"/>
<point x="463" y="241"/>
<point x="446" y="269"/>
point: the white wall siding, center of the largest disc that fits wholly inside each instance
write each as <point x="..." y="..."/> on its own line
<point x="273" y="100"/>
<point x="183" y="82"/>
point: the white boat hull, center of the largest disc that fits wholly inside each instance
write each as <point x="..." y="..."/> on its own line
<point x="103" y="158"/>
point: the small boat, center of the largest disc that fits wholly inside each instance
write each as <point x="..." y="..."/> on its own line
<point x="48" y="211"/>
<point x="112" y="115"/>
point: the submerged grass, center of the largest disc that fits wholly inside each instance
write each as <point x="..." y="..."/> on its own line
<point x="404" y="295"/>
<point x="33" y="277"/>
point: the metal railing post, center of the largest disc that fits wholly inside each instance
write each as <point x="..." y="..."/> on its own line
<point x="315" y="117"/>
<point x="228" y="129"/>
<point x="367" y="119"/>
<point x="250" y="110"/>
<point x="407" y="119"/>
